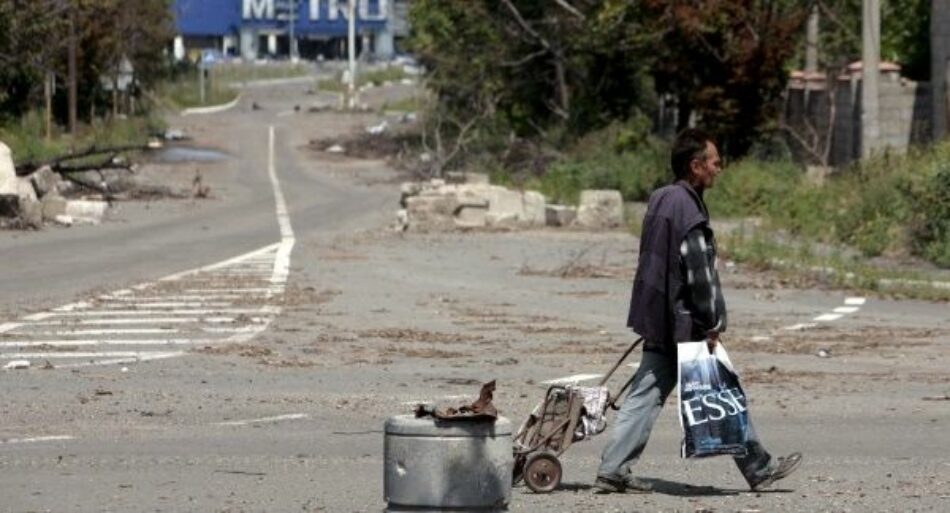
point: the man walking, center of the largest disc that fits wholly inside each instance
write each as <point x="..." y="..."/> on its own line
<point x="676" y="298"/>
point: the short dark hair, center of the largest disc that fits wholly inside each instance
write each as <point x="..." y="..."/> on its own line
<point x="690" y="144"/>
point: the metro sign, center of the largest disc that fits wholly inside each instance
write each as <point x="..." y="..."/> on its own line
<point x="377" y="10"/>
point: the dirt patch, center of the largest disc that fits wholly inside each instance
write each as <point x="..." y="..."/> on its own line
<point x="422" y="353"/>
<point x="417" y="335"/>
<point x="586" y="271"/>
<point x="852" y="341"/>
<point x="584" y="293"/>
<point x="245" y="350"/>
<point x="555" y="330"/>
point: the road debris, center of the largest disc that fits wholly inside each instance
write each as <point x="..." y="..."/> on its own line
<point x="17" y="364"/>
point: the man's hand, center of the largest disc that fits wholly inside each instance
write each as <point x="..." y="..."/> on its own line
<point x="712" y="339"/>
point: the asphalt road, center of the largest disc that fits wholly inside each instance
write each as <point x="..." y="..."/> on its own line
<point x="285" y="411"/>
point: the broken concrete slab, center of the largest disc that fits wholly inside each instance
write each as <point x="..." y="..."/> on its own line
<point x="431" y="212"/>
<point x="9" y="199"/>
<point x="560" y="215"/>
<point x="45" y="181"/>
<point x="600" y="209"/>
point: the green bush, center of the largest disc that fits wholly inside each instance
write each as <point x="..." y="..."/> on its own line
<point x="753" y="188"/>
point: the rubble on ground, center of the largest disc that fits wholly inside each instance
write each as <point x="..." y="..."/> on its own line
<point x="469" y="201"/>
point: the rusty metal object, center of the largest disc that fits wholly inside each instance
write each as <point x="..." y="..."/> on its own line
<point x="481" y="410"/>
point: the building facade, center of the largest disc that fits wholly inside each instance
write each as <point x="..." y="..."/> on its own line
<point x="314" y="29"/>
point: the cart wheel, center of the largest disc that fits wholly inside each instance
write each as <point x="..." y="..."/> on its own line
<point x="542" y="472"/>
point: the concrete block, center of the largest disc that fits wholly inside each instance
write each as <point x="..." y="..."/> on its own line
<point x="53" y="205"/>
<point x="450" y="465"/>
<point x="86" y="211"/>
<point x="431" y="213"/>
<point x="31" y="213"/>
<point x="600" y="209"/>
<point x="8" y="181"/>
<point x="534" y="208"/>
<point x="24" y="189"/>
<point x="505" y="208"/>
<point x="559" y="215"/>
<point x="471" y="216"/>
<point x="44" y="181"/>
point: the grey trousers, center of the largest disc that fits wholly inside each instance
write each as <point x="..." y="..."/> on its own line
<point x="652" y="383"/>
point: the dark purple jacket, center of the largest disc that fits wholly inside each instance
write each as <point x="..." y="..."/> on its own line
<point x="672" y="212"/>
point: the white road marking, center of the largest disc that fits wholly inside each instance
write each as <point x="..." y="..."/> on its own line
<point x="855" y="301"/>
<point x="52" y="438"/>
<point x="761" y="339"/>
<point x="266" y="309"/>
<point x="828" y="317"/>
<point x="577" y="378"/>
<point x="215" y="295"/>
<point x="277" y="418"/>
<point x="105" y="342"/>
<point x="131" y="355"/>
<point x="9" y="326"/>
<point x="122" y="331"/>
<point x="846" y="309"/>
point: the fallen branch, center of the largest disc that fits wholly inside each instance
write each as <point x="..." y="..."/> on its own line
<point x="60" y="164"/>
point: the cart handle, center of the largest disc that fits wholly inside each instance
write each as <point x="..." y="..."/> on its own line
<point x="617" y="365"/>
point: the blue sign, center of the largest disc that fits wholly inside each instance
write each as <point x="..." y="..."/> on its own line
<point x="311" y="17"/>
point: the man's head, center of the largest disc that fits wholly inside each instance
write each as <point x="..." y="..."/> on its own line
<point x="695" y="158"/>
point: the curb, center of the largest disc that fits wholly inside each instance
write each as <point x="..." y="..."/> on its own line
<point x="212" y="109"/>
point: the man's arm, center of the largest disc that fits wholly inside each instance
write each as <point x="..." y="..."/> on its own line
<point x="703" y="293"/>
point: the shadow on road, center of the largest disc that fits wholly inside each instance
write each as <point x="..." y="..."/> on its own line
<point x="686" y="490"/>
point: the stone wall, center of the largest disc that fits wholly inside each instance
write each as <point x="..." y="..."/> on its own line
<point x="940" y="55"/>
<point x="905" y="118"/>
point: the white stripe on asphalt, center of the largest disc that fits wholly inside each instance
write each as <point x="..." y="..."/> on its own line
<point x="9" y="326"/>
<point x="277" y="418"/>
<point x="846" y="309"/>
<point x="126" y="331"/>
<point x="266" y="309"/>
<point x="52" y="438"/>
<point x="855" y="301"/>
<point x="106" y="342"/>
<point x="828" y="317"/>
<point x="133" y="355"/>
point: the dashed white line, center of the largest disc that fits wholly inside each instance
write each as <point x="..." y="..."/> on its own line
<point x="276" y="418"/>
<point x="105" y="342"/>
<point x="52" y="438"/>
<point x="828" y="317"/>
<point x="855" y="301"/>
<point x="846" y="309"/>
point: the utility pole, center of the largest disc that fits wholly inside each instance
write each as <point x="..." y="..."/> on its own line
<point x="351" y="51"/>
<point x="73" y="93"/>
<point x="871" y="64"/>
<point x="811" y="41"/>
<point x="940" y="66"/>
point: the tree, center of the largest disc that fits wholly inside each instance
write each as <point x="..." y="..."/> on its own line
<point x="725" y="62"/>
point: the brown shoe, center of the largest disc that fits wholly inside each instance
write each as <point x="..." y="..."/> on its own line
<point x="782" y="469"/>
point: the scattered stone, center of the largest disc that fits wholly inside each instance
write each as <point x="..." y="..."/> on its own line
<point x="336" y="148"/>
<point x="600" y="209"/>
<point x="822" y="353"/>
<point x="174" y="134"/>
<point x="559" y="215"/>
<point x="472" y="216"/>
<point x="64" y="220"/>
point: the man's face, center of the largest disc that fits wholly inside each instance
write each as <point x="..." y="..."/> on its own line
<point x="704" y="170"/>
